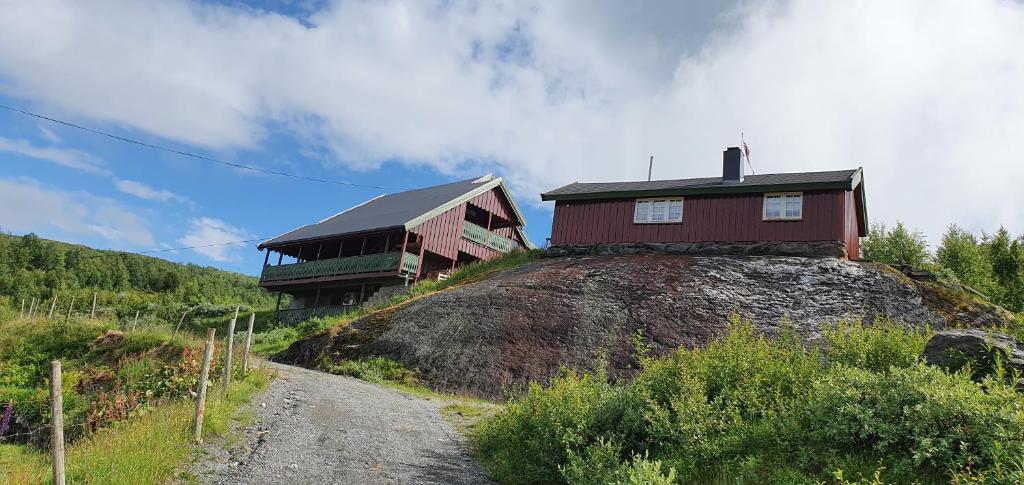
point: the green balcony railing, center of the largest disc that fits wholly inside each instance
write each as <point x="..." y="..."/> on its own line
<point x="410" y="263"/>
<point x="483" y="237"/>
<point x="370" y="263"/>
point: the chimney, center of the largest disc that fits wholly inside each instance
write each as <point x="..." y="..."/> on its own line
<point x="732" y="166"/>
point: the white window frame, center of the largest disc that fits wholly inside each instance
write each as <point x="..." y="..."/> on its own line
<point x="782" y="196"/>
<point x="650" y="210"/>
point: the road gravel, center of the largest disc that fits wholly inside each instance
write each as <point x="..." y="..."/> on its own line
<point x="313" y="427"/>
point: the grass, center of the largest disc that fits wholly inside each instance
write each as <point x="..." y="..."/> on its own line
<point x="148" y="449"/>
<point x="274" y="340"/>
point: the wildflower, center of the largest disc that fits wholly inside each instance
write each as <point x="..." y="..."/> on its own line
<point x="6" y="422"/>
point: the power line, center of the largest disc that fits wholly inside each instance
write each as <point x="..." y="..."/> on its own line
<point x="193" y="155"/>
<point x="106" y="252"/>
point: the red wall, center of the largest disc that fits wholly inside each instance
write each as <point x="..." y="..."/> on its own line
<point x="494" y="201"/>
<point x="706" y="219"/>
<point x="443" y="234"/>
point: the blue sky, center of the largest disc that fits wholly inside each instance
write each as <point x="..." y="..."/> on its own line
<point x="174" y="201"/>
<point x="923" y="94"/>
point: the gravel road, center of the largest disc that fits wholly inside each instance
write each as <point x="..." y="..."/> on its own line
<point x="313" y="427"/>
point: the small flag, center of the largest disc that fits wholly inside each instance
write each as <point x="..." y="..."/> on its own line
<point x="746" y="151"/>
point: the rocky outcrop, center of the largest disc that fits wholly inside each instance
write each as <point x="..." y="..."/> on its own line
<point x="524" y="323"/>
<point x="953" y="349"/>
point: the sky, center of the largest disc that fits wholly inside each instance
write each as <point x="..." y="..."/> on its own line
<point x="389" y="95"/>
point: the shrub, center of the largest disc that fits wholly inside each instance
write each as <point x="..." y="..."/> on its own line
<point x="874" y="347"/>
<point x="919" y="417"/>
<point x="548" y="426"/>
<point x="859" y="409"/>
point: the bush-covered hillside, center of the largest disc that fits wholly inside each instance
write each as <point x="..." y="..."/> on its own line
<point x="992" y="264"/>
<point x="31" y="267"/>
<point x="860" y="408"/>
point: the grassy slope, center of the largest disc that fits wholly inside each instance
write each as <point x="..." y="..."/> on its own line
<point x="148" y="449"/>
<point x="146" y="441"/>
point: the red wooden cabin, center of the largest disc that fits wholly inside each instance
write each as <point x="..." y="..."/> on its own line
<point x="385" y="243"/>
<point x="786" y="207"/>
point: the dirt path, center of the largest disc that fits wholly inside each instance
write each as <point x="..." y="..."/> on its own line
<point x="313" y="427"/>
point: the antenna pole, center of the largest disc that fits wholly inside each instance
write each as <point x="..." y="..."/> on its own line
<point x="650" y="167"/>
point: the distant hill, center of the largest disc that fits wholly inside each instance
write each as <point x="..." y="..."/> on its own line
<point x="32" y="267"/>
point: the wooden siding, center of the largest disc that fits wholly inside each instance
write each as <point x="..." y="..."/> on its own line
<point x="705" y="219"/>
<point x="442" y="235"/>
<point x="851" y="228"/>
<point x="494" y="201"/>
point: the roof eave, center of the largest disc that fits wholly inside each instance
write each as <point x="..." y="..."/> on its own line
<point x="733" y="189"/>
<point x="272" y="245"/>
<point x="496" y="182"/>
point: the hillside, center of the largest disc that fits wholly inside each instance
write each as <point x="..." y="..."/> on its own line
<point x="32" y="267"/>
<point x="522" y="324"/>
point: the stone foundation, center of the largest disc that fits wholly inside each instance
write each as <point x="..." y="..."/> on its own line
<point x="815" y="249"/>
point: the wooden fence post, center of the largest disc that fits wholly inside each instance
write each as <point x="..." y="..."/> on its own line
<point x="204" y="374"/>
<point x="52" y="307"/>
<point x="92" y="316"/>
<point x="57" y="426"/>
<point x="249" y="344"/>
<point x="70" y="307"/>
<point x="136" y="321"/>
<point x="22" y="315"/>
<point x="32" y="308"/>
<point x="230" y="348"/>
<point x="179" y="323"/>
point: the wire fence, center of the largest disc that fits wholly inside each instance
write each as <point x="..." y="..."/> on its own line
<point x="108" y="410"/>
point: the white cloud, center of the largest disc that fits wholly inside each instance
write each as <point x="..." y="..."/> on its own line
<point x="925" y="94"/>
<point x="208" y="236"/>
<point x="49" y="134"/>
<point x="61" y="156"/>
<point x="27" y="206"/>
<point x="143" y="191"/>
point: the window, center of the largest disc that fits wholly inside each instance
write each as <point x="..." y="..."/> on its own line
<point x="658" y="211"/>
<point x="783" y="207"/>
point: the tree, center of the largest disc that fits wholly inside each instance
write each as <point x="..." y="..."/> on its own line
<point x="897" y="247"/>
<point x="961" y="254"/>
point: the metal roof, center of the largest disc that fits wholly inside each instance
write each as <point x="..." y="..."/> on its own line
<point x="404" y="209"/>
<point x="839" y="179"/>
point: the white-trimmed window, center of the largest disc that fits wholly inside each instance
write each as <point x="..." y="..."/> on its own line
<point x="658" y="211"/>
<point x="785" y="206"/>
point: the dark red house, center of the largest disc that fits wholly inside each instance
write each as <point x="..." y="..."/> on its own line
<point x="388" y="242"/>
<point x="785" y="207"/>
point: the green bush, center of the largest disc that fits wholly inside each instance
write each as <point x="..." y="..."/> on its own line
<point x="918" y="417"/>
<point x="859" y="408"/>
<point x="874" y="347"/>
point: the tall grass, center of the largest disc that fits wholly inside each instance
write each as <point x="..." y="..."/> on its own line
<point x="149" y="449"/>
<point x="746" y="409"/>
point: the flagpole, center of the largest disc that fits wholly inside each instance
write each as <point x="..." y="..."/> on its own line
<point x="746" y="153"/>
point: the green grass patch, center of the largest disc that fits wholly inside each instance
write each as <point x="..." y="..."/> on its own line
<point x="150" y="448"/>
<point x="858" y="407"/>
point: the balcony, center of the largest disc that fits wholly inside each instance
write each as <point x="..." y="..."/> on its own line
<point x="355" y="265"/>
<point x="486" y="238"/>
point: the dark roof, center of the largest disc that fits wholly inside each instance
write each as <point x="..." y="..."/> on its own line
<point x="839" y="179"/>
<point x="388" y="211"/>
